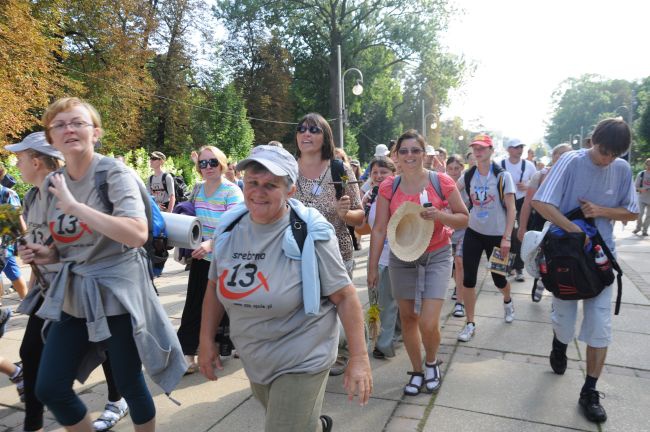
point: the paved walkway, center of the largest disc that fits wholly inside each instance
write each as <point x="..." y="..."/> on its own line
<point x="500" y="381"/>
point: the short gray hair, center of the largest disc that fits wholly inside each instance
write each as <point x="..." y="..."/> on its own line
<point x="258" y="168"/>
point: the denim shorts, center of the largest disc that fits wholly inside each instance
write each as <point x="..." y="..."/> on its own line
<point x="11" y="269"/>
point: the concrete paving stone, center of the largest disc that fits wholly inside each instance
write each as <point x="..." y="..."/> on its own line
<point x="626" y="402"/>
<point x="398" y="424"/>
<point x="443" y="419"/>
<point x="642" y="374"/>
<point x="631" y="293"/>
<point x="520" y="391"/>
<point x="521" y="337"/>
<point x="491" y="304"/>
<point x="617" y="370"/>
<point x="490" y="354"/>
<point x="519" y="358"/>
<point x="629" y="318"/>
<point x="630" y="350"/>
<point x="410" y="411"/>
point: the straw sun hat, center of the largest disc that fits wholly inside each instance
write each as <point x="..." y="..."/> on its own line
<point x="408" y="234"/>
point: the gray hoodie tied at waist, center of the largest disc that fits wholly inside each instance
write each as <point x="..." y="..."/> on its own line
<point x="127" y="277"/>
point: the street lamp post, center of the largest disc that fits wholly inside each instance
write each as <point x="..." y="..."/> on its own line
<point x="433" y="124"/>
<point x="630" y="118"/>
<point x="356" y="90"/>
<point x="577" y="141"/>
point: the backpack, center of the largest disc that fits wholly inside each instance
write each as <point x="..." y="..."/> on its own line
<point x="156" y="244"/>
<point x="338" y="171"/>
<point x="523" y="168"/>
<point x="433" y="178"/>
<point x="571" y="272"/>
<point x="498" y="172"/>
<point x="180" y="187"/>
<point x="298" y="227"/>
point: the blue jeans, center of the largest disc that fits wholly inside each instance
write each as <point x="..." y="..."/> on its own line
<point x="65" y="346"/>
<point x="387" y="315"/>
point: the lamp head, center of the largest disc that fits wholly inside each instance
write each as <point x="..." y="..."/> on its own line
<point x="358" y="88"/>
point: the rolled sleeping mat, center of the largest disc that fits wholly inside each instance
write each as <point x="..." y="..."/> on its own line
<point x="183" y="231"/>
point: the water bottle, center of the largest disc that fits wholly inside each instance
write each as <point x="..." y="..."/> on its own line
<point x="601" y="259"/>
<point x="542" y="264"/>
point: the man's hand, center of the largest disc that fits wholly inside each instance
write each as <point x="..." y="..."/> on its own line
<point x="204" y="249"/>
<point x="358" y="378"/>
<point x="522" y="187"/>
<point x="590" y="209"/>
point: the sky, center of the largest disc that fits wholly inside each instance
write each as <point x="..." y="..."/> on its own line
<point x="524" y="49"/>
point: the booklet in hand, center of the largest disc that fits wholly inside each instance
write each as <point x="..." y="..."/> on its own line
<point x="500" y="265"/>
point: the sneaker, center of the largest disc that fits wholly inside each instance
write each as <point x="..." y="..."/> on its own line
<point x="338" y="368"/>
<point x="519" y="276"/>
<point x="459" y="310"/>
<point x="453" y="295"/>
<point x="644" y="233"/>
<point x="18" y="381"/>
<point x="590" y="403"/>
<point x="636" y="231"/>
<point x="558" y="361"/>
<point x="467" y="333"/>
<point x="5" y="314"/>
<point x="113" y="412"/>
<point x="378" y="354"/>
<point x="538" y="293"/>
<point x="509" y="312"/>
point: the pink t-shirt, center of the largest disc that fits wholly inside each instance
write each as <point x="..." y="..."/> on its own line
<point x="441" y="233"/>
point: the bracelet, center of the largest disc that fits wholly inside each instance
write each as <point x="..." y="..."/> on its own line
<point x="507" y="238"/>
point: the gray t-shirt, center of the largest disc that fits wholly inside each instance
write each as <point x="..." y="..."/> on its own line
<point x="156" y="188"/>
<point x="76" y="242"/>
<point x="261" y="289"/>
<point x="37" y="229"/>
<point x="517" y="175"/>
<point x="644" y="195"/>
<point x="575" y="177"/>
<point x="487" y="216"/>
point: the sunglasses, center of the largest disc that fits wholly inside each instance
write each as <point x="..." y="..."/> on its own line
<point x="154" y="158"/>
<point x="414" y="151"/>
<point x="203" y="164"/>
<point x="311" y="129"/>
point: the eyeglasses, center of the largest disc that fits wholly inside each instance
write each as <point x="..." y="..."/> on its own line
<point x="75" y="125"/>
<point x="154" y="158"/>
<point x="203" y="164"/>
<point x="311" y="129"/>
<point x="415" y="151"/>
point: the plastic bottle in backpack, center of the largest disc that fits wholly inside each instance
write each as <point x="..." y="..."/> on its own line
<point x="601" y="259"/>
<point x="543" y="269"/>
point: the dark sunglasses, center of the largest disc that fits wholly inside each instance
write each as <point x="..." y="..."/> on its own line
<point x="154" y="158"/>
<point x="414" y="151"/>
<point x="311" y="129"/>
<point x="203" y="164"/>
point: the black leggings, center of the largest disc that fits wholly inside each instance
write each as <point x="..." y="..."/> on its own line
<point x="188" y="332"/>
<point x="473" y="245"/>
<point x="31" y="350"/>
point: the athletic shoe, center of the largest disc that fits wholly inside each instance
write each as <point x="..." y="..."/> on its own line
<point x="378" y="354"/>
<point x="113" y="412"/>
<point x="539" y="292"/>
<point x="644" y="233"/>
<point x="509" y="312"/>
<point x="338" y="368"/>
<point x="18" y="381"/>
<point x="467" y="333"/>
<point x="5" y="314"/>
<point x="519" y="276"/>
<point x="326" y="423"/>
<point x="636" y="231"/>
<point x="459" y="310"/>
<point x="453" y="295"/>
<point x="590" y="403"/>
<point x="558" y="361"/>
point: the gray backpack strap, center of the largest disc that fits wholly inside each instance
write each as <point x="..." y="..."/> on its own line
<point x="396" y="182"/>
<point x="435" y="182"/>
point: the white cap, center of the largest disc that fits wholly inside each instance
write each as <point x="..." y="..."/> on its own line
<point x="514" y="143"/>
<point x="276" y="159"/>
<point x="35" y="141"/>
<point x="381" y="150"/>
<point x="430" y="151"/>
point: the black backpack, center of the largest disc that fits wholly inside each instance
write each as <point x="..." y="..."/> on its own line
<point x="298" y="227"/>
<point x="523" y="168"/>
<point x="571" y="273"/>
<point x="180" y="187"/>
<point x="498" y="172"/>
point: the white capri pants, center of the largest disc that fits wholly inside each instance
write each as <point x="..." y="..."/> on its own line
<point x="596" y="328"/>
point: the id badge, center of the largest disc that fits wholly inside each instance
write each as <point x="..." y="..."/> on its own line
<point x="316" y="190"/>
<point x="482" y="215"/>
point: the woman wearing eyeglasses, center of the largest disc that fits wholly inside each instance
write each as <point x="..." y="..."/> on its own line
<point x="420" y="286"/>
<point x="315" y="143"/>
<point x="102" y="298"/>
<point x="211" y="199"/>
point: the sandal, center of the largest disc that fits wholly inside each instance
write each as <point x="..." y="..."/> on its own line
<point x="326" y="423"/>
<point x="432" y="384"/>
<point x="413" y="389"/>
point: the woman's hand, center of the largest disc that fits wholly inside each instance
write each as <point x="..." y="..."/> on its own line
<point x="203" y="250"/>
<point x="358" y="378"/>
<point x="66" y="202"/>
<point x="371" y="278"/>
<point x="505" y="247"/>
<point x="37" y="254"/>
<point x="430" y="213"/>
<point x="209" y="360"/>
<point x="343" y="206"/>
